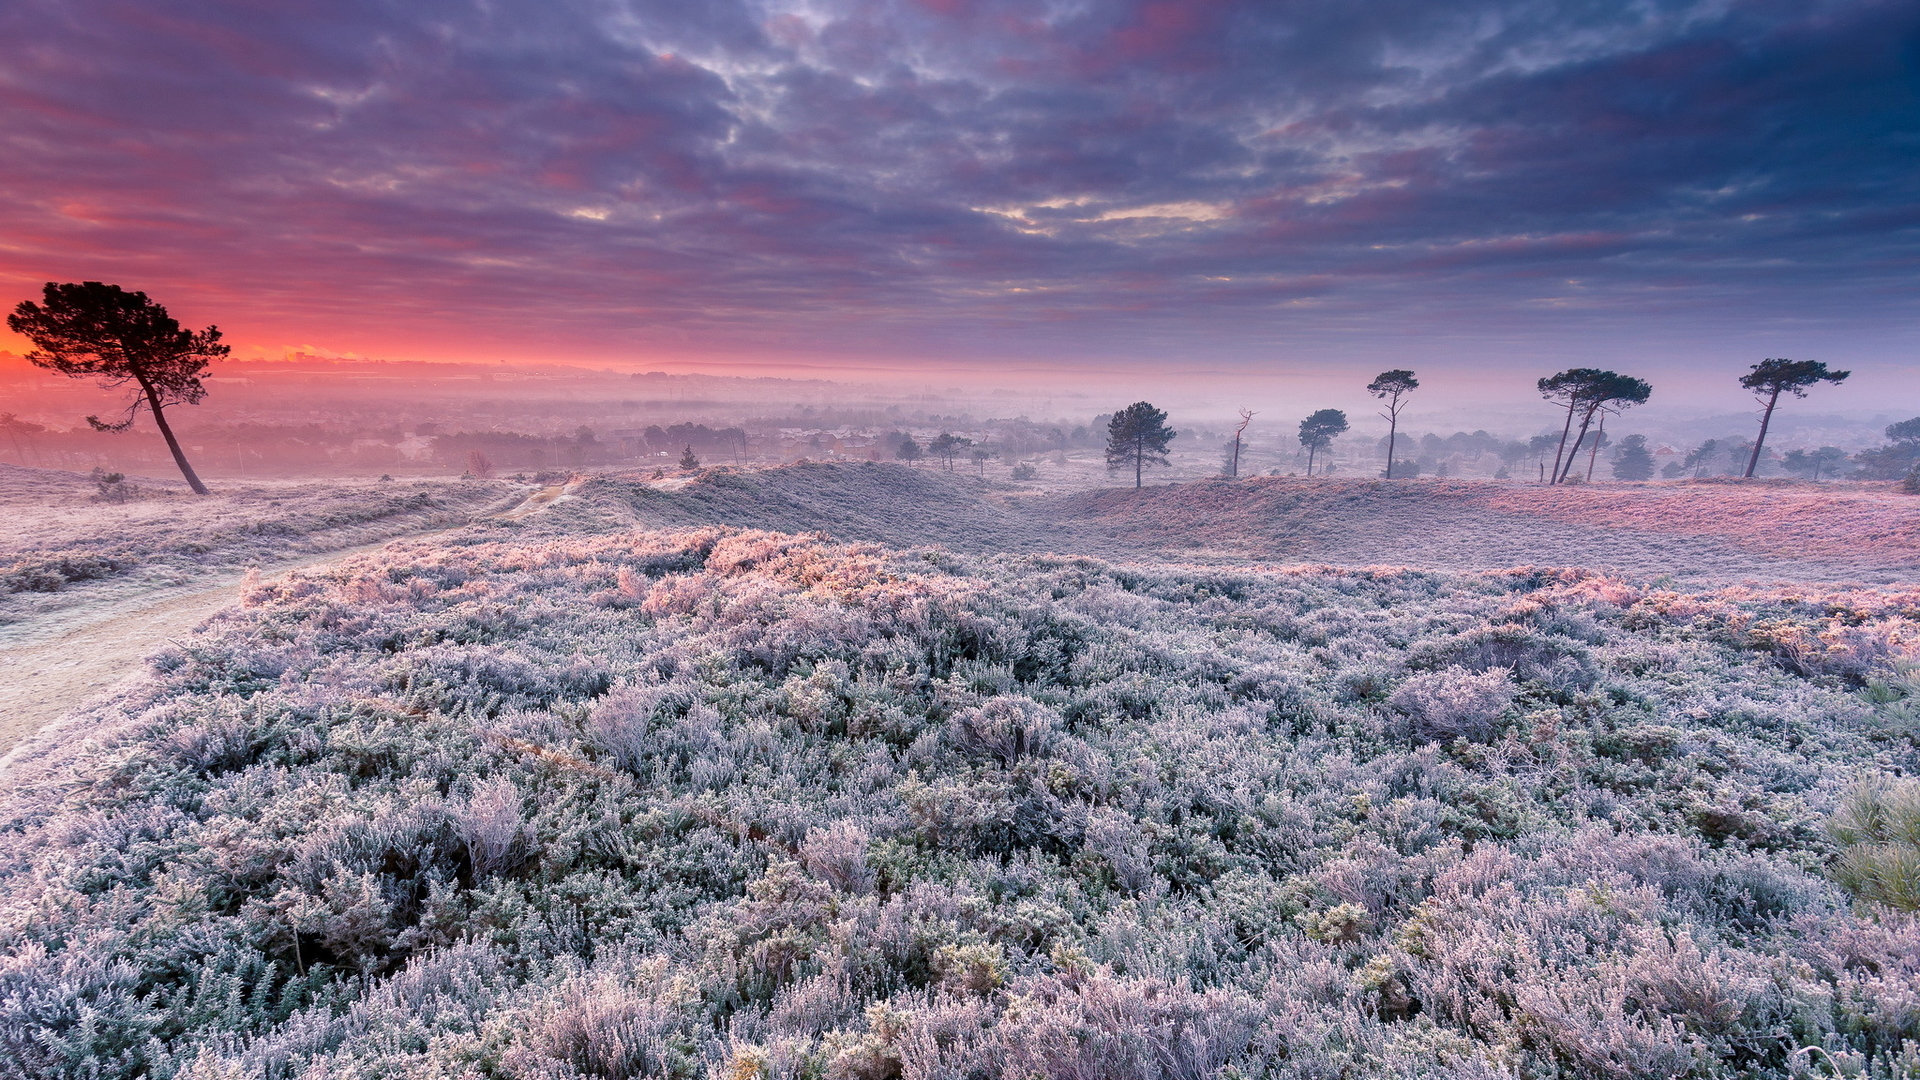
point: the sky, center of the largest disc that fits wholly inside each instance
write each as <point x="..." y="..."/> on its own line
<point x="1189" y="188"/>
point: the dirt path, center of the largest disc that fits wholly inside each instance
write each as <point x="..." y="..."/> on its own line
<point x="51" y="666"/>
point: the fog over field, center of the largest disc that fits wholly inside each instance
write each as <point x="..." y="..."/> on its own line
<point x="306" y="415"/>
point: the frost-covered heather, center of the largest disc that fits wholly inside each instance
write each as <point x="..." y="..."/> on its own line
<point x="55" y="532"/>
<point x="744" y="805"/>
<point x="1779" y="517"/>
<point x="882" y="502"/>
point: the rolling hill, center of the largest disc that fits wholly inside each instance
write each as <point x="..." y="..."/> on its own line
<point x="1706" y="532"/>
<point x="633" y="781"/>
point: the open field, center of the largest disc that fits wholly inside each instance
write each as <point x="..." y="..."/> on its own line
<point x="619" y="784"/>
<point x="61" y="545"/>
<point x="1706" y="531"/>
<point x="1702" y="532"/>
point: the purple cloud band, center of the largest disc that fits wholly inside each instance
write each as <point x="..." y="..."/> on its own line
<point x="948" y="174"/>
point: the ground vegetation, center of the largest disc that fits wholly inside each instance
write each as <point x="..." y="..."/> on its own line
<point x="532" y="802"/>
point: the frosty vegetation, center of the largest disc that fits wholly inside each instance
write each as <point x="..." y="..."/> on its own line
<point x="736" y="804"/>
<point x="59" y="529"/>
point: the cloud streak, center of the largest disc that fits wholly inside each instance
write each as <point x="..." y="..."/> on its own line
<point x="952" y="177"/>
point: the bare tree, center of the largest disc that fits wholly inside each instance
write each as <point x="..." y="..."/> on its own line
<point x="1246" y="417"/>
<point x="1391" y="387"/>
<point x="103" y="331"/>
<point x="1769" y="378"/>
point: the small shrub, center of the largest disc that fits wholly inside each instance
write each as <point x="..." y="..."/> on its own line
<point x="1454" y="703"/>
<point x="1878" y="830"/>
<point x="113" y="487"/>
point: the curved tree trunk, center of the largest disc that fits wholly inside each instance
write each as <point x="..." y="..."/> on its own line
<point x="1561" y="450"/>
<point x="1574" y="457"/>
<point x="173" y="444"/>
<point x="1765" y="419"/>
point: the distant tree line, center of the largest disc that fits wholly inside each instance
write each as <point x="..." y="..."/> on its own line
<point x="126" y="340"/>
<point x="1588" y="397"/>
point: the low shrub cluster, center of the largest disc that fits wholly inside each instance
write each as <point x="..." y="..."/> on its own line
<point x="59" y="529"/>
<point x="53" y="571"/>
<point x="725" y="803"/>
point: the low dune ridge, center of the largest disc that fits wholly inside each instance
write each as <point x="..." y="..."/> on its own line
<point x="1701" y="532"/>
<point x="1711" y="532"/>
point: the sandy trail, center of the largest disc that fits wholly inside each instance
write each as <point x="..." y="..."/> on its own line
<point x="51" y="666"/>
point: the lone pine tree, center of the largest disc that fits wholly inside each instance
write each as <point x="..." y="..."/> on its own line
<point x="1319" y="430"/>
<point x="1633" y="461"/>
<point x="1769" y="378"/>
<point x="94" y="330"/>
<point x="1391" y="387"/>
<point x="1138" y="435"/>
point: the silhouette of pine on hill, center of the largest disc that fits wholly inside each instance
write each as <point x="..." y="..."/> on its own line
<point x="1769" y="378"/>
<point x="1392" y="387"/>
<point x="1586" y="392"/>
<point x="93" y="330"/>
<point x="1138" y="436"/>
<point x="1319" y="430"/>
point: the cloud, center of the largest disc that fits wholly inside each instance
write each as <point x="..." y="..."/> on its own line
<point x="586" y="177"/>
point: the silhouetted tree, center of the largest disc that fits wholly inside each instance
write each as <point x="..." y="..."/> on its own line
<point x="1769" y="378"/>
<point x="1569" y="388"/>
<point x="1895" y="460"/>
<point x="947" y="446"/>
<point x="981" y="455"/>
<point x="1318" y="430"/>
<point x="1391" y="387"/>
<point x="1585" y="392"/>
<point x="103" y="331"/>
<point x="908" y="450"/>
<point x="1812" y="463"/>
<point x="479" y="464"/>
<point x="1633" y="461"/>
<point x="1138" y="435"/>
<point x="1700" y="458"/>
<point x="1233" y="466"/>
<point x="21" y="433"/>
<point x="687" y="460"/>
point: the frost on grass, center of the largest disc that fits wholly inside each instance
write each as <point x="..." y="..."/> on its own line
<point x="739" y="804"/>
<point x="55" y="532"/>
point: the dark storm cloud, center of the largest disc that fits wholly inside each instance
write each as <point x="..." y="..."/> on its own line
<point x="824" y="175"/>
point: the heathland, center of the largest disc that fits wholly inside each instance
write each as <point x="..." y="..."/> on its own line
<point x="982" y="782"/>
